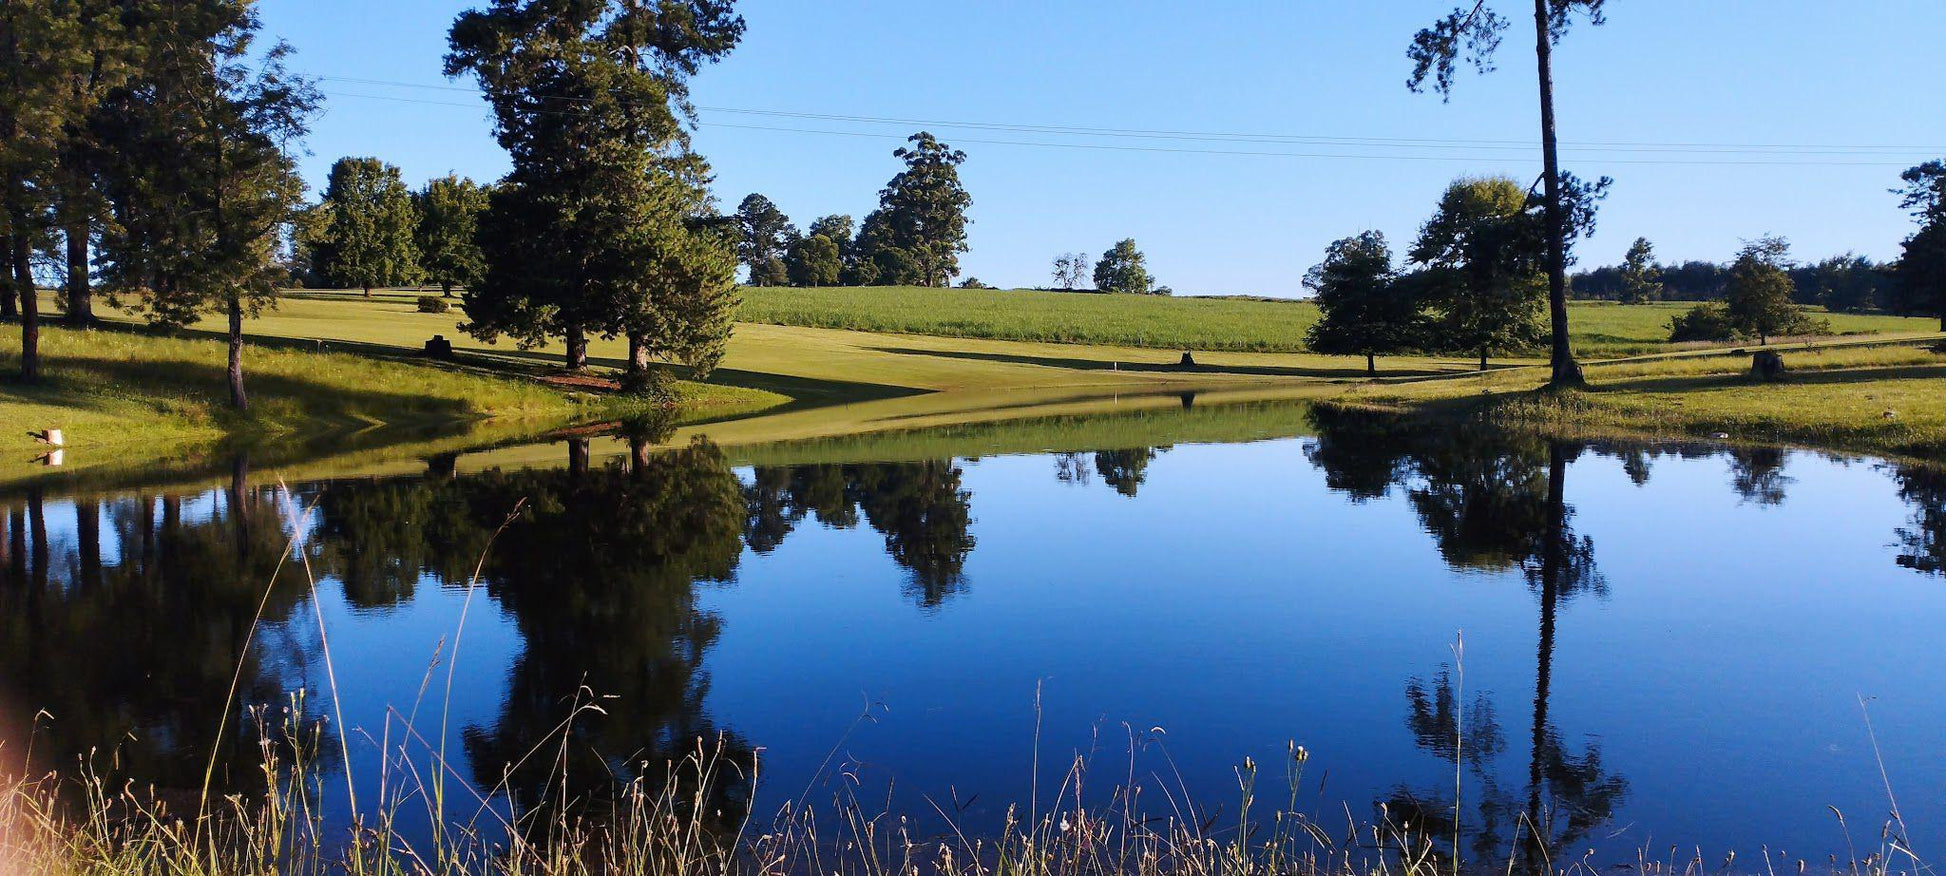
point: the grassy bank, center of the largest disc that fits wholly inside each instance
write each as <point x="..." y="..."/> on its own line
<point x="127" y="395"/>
<point x="1236" y="324"/>
<point x="1881" y="399"/>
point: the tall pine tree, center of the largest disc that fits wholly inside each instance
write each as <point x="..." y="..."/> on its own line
<point x="204" y="186"/>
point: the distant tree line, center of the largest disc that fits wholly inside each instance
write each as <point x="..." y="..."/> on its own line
<point x="914" y="238"/>
<point x="370" y="230"/>
<point x="1848" y="283"/>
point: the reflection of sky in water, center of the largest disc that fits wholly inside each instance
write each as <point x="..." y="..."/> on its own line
<point x="1237" y="603"/>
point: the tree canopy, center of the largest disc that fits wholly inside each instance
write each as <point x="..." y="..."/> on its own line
<point x="367" y="226"/>
<point x="1123" y="269"/>
<point x="577" y="237"/>
<point x="1481" y="255"/>
<point x="767" y="237"/>
<point x="205" y="185"/>
<point x="449" y="230"/>
<point x="1364" y="309"/>
<point x="1758" y="303"/>
<point x="1641" y="279"/>
<point x="919" y="229"/>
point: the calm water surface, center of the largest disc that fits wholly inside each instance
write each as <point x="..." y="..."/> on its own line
<point x="1649" y="646"/>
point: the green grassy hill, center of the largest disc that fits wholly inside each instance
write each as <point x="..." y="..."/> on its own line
<point x="1237" y="324"/>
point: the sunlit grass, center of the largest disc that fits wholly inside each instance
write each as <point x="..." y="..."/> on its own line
<point x="1236" y="324"/>
<point x="1882" y="398"/>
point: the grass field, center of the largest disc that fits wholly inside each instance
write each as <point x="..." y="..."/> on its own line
<point x="158" y="401"/>
<point x="1881" y="399"/>
<point x="1239" y="324"/>
<point x="821" y="383"/>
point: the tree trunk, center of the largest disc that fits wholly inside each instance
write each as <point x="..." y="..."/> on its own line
<point x="237" y="397"/>
<point x="577" y="457"/>
<point x="37" y="537"/>
<point x="577" y="343"/>
<point x="368" y="291"/>
<point x="1561" y="357"/>
<point x="9" y="302"/>
<point x="81" y="295"/>
<point x="1554" y="560"/>
<point x="638" y="355"/>
<point x="87" y="530"/>
<point x="1483" y="358"/>
<point x="30" y="311"/>
<point x="1371" y="365"/>
<point x="445" y="290"/>
<point x="638" y="455"/>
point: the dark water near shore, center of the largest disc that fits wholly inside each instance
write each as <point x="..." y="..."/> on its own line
<point x="1662" y="645"/>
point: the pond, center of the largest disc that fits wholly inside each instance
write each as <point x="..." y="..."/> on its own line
<point x="1634" y="646"/>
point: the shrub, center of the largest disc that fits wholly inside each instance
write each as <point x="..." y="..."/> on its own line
<point x="433" y="304"/>
<point x="1709" y="321"/>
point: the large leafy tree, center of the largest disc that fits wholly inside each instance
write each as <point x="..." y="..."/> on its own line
<point x="1921" y="268"/>
<point x="366" y="227"/>
<point x="815" y="260"/>
<point x="1364" y="309"/>
<point x="1758" y="299"/>
<point x="448" y="232"/>
<point x="589" y="99"/>
<point x="767" y="236"/>
<point x="1641" y="279"/>
<point x="204" y="184"/>
<point x="1482" y="272"/>
<point x="919" y="229"/>
<point x="1473" y="35"/>
<point x="1123" y="269"/>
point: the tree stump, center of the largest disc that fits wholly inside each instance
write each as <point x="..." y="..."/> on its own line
<point x="439" y="347"/>
<point x="1766" y="365"/>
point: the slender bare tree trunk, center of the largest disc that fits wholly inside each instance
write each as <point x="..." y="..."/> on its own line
<point x="1371" y="365"/>
<point x="10" y="302"/>
<point x="1561" y="356"/>
<point x="577" y="457"/>
<point x="237" y="397"/>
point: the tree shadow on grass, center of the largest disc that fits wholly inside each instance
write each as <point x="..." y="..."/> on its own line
<point x="803" y="391"/>
<point x="1354" y="368"/>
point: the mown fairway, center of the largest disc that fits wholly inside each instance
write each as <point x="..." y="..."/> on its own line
<point x="1242" y="324"/>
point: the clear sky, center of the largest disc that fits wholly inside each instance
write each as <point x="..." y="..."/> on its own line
<point x="1719" y="119"/>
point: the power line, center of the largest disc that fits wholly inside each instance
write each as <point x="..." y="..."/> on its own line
<point x="1232" y="136"/>
<point x="1111" y="147"/>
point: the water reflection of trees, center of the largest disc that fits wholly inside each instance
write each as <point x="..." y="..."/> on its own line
<point x="1922" y="541"/>
<point x="1124" y="470"/>
<point x="119" y="643"/>
<point x="1492" y="500"/>
<point x="920" y="508"/>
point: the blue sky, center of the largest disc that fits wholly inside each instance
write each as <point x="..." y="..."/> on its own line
<point x="1693" y="88"/>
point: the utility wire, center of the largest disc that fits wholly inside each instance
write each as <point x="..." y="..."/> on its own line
<point x="1449" y="156"/>
<point x="1307" y="139"/>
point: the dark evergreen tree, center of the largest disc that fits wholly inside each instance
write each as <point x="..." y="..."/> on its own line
<point x="204" y="186"/>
